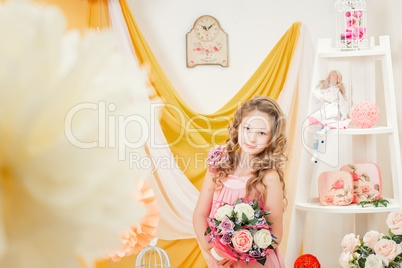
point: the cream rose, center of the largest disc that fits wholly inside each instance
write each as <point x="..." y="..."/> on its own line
<point x="394" y="222"/>
<point x="246" y="209"/>
<point x="371" y="238"/>
<point x="373" y="261"/>
<point x="387" y="250"/>
<point x="345" y="258"/>
<point x="223" y="213"/>
<point x="262" y="238"/>
<point x="350" y="242"/>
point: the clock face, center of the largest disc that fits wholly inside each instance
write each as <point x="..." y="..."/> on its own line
<point x="206" y="28"/>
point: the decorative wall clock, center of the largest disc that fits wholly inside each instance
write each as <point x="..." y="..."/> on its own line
<point x="207" y="43"/>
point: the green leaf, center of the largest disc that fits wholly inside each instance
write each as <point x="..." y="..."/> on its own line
<point x="362" y="262"/>
<point x="238" y="258"/>
<point x="255" y="205"/>
<point x="262" y="261"/>
<point x="339" y="195"/>
<point x="237" y="227"/>
<point x="386" y="237"/>
<point x="244" y="218"/>
<point x="391" y="234"/>
<point x="252" y="222"/>
<point x="237" y="202"/>
<point x="366" y="177"/>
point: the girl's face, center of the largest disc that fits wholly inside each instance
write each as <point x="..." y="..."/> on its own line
<point x="255" y="132"/>
<point x="333" y="78"/>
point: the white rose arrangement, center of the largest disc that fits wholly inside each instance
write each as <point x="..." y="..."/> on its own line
<point x="375" y="250"/>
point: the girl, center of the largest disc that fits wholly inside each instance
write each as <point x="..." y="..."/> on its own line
<point x="251" y="166"/>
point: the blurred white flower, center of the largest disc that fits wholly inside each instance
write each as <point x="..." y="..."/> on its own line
<point x="59" y="92"/>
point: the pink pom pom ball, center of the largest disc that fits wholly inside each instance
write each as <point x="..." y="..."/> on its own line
<point x="365" y="114"/>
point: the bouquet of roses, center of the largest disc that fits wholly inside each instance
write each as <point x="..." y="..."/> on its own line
<point x="242" y="231"/>
<point x="375" y="250"/>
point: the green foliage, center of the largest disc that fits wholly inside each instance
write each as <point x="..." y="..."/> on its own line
<point x="244" y="218"/>
<point x="255" y="205"/>
<point x="361" y="262"/>
<point x="397" y="238"/>
<point x="262" y="261"/>
<point x="208" y="230"/>
<point x="376" y="203"/>
<point x="252" y="222"/>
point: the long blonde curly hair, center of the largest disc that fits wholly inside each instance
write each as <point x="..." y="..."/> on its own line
<point x="325" y="83"/>
<point x="272" y="157"/>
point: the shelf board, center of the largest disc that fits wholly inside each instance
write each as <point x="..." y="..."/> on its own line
<point x="366" y="131"/>
<point x="316" y="206"/>
<point x="337" y="53"/>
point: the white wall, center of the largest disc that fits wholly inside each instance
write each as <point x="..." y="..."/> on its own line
<point x="254" y="27"/>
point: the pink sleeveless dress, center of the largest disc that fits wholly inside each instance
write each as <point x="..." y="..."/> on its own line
<point x="233" y="188"/>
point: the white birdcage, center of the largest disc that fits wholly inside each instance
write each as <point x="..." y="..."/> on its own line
<point x="351" y="24"/>
<point x="152" y="256"/>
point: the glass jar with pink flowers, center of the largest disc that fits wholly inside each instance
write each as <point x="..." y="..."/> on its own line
<point x="351" y="24"/>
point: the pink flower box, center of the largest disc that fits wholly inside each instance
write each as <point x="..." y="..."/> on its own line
<point x="367" y="184"/>
<point x="335" y="188"/>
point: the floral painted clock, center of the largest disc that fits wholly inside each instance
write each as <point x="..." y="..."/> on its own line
<point x="207" y="43"/>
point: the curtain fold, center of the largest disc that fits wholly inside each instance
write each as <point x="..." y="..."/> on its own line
<point x="268" y="80"/>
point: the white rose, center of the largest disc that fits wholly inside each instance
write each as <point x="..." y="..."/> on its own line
<point x="345" y="258"/>
<point x="373" y="261"/>
<point x="262" y="238"/>
<point x="394" y="222"/>
<point x="246" y="209"/>
<point x="223" y="212"/>
<point x="349" y="243"/>
<point x="387" y="250"/>
<point x="370" y="238"/>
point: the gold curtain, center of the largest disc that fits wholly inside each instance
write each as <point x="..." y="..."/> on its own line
<point x="187" y="131"/>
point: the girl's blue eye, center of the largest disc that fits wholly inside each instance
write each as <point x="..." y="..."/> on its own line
<point x="262" y="133"/>
<point x="247" y="128"/>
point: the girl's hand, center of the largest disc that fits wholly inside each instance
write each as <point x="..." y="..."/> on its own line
<point x="224" y="263"/>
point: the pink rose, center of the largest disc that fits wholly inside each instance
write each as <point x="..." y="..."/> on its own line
<point x="350" y="242"/>
<point x="346" y="35"/>
<point x="387" y="250"/>
<point x="394" y="222"/>
<point x="347" y="14"/>
<point x="329" y="199"/>
<point x="356" y="177"/>
<point x="357" y="14"/>
<point x="371" y="238"/>
<point x="216" y="155"/>
<point x="359" y="32"/>
<point x="351" y="23"/>
<point x="242" y="240"/>
<point x="365" y="189"/>
<point x="338" y="184"/>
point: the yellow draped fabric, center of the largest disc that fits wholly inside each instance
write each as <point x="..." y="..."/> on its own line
<point x="189" y="132"/>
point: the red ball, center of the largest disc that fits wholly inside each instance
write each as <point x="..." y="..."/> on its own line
<point x="307" y="261"/>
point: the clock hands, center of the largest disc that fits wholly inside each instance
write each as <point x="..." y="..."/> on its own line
<point x="210" y="26"/>
<point x="204" y="27"/>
